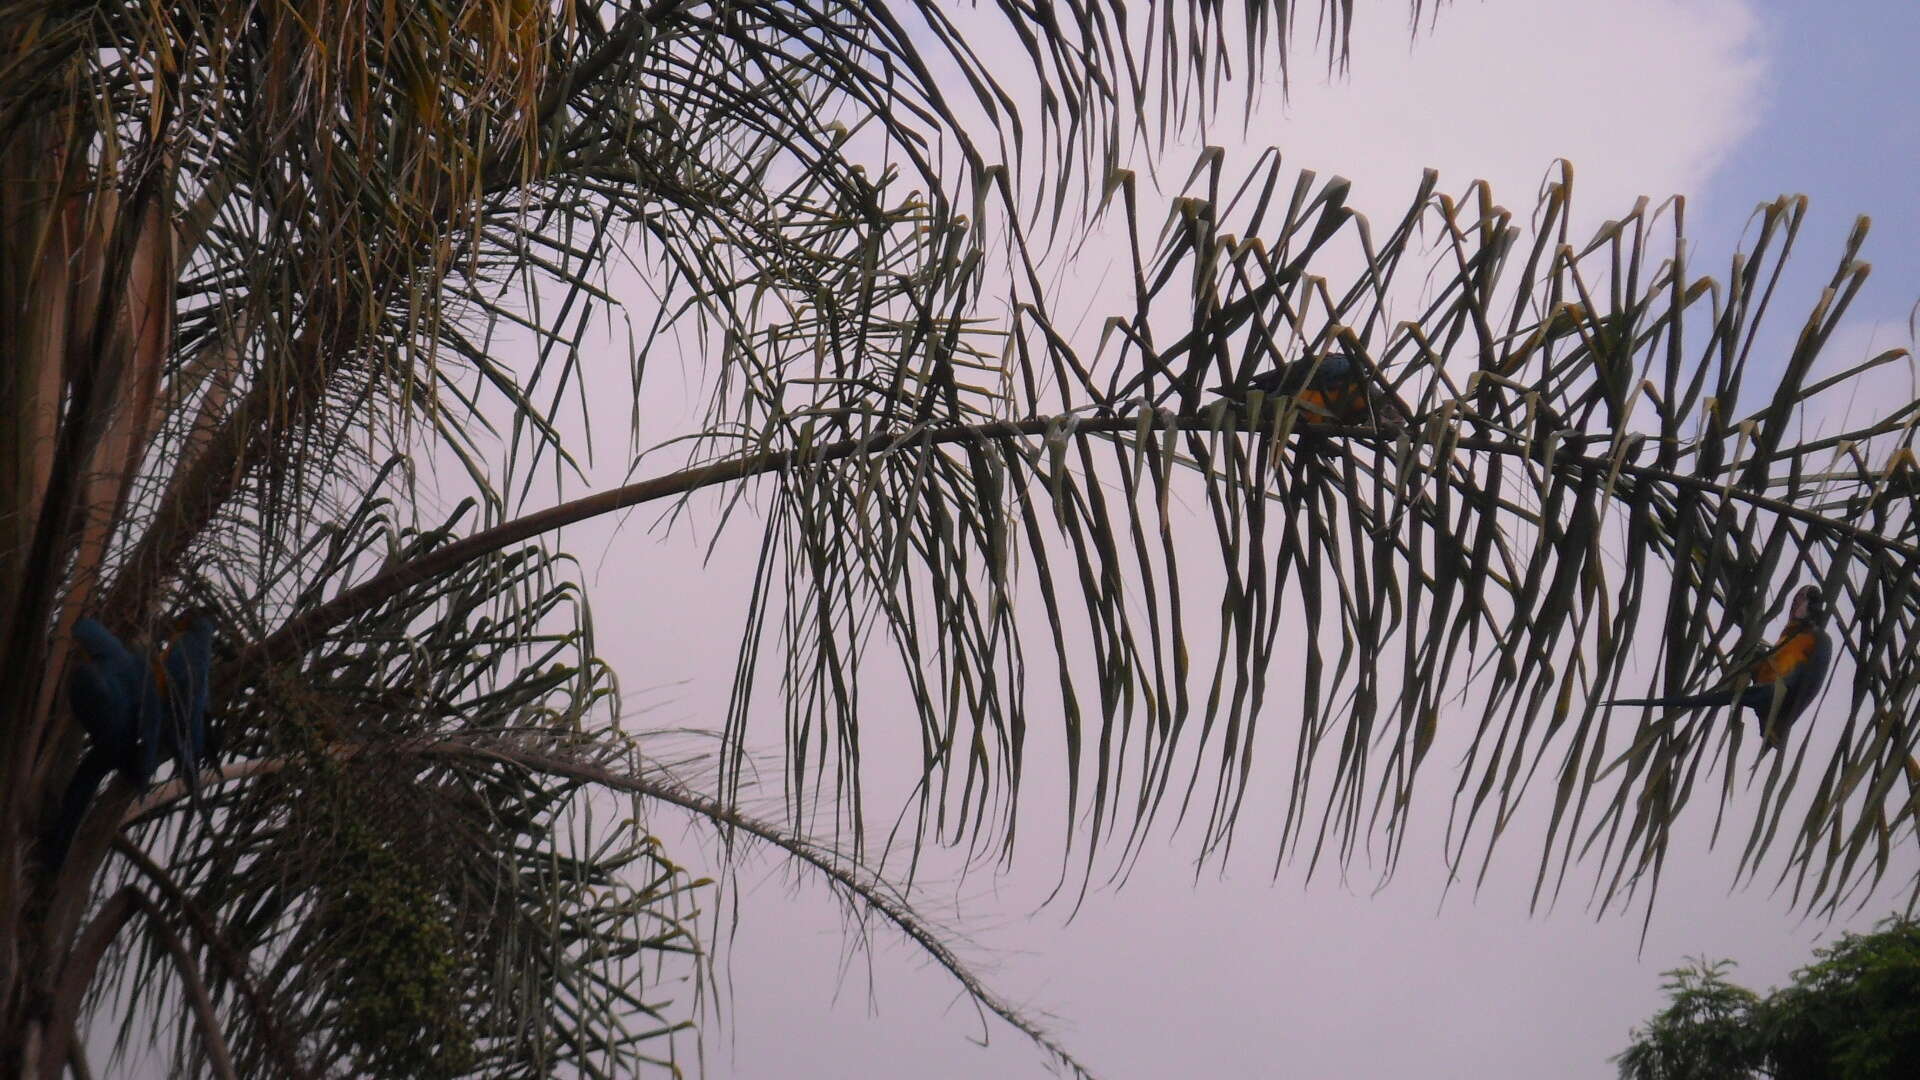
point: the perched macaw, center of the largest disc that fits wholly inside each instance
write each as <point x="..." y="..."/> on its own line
<point x="189" y="667"/>
<point x="1331" y="389"/>
<point x="1781" y="683"/>
<point x="176" y="711"/>
<point x="104" y="690"/>
<point x="108" y="689"/>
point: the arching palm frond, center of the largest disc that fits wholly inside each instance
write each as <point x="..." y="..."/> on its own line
<point x="1591" y="423"/>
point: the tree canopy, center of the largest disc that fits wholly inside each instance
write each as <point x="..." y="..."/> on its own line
<point x="1852" y="1014"/>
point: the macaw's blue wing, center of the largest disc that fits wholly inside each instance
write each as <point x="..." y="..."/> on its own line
<point x="175" y="708"/>
<point x="1331" y="371"/>
<point x="101" y="646"/>
<point x="151" y="716"/>
<point x="189" y="666"/>
<point x="105" y="690"/>
<point x="135" y="709"/>
<point x="1330" y="389"/>
<point x="1326" y="373"/>
<point x="100" y="706"/>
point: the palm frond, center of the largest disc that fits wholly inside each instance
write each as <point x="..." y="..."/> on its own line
<point x="1574" y="408"/>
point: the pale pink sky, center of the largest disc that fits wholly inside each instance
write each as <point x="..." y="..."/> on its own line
<point x="1237" y="973"/>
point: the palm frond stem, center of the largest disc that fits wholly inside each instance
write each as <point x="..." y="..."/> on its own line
<point x="394" y="580"/>
<point x="856" y="879"/>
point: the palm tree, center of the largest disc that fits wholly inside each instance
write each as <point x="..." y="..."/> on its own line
<point x="259" y="263"/>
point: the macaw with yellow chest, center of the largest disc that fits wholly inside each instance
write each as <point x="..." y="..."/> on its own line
<point x="1781" y="683"/>
<point x="175" y="710"/>
<point x="1331" y="389"/>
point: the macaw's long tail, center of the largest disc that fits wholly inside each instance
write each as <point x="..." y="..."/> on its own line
<point x="1714" y="697"/>
<point x="94" y="768"/>
<point x="189" y="757"/>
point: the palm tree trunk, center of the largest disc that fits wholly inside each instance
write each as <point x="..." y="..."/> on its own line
<point x="86" y="294"/>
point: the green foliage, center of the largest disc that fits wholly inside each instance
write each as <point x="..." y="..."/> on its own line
<point x="1706" y="1033"/>
<point x="1853" y="1014"/>
<point x="397" y="962"/>
<point x="417" y="903"/>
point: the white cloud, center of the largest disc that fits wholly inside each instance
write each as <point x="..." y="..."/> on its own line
<point x="1866" y="398"/>
<point x="1643" y="96"/>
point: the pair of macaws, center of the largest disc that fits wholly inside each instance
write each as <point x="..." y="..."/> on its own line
<point x="135" y="709"/>
<point x="1781" y="683"/>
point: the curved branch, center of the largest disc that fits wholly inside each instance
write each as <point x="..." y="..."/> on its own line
<point x="216" y="1045"/>
<point x="77" y="1059"/>
<point x="849" y="875"/>
<point x="397" y="579"/>
<point x="236" y="965"/>
<point x="84" y="961"/>
<point x="852" y="876"/>
<point x="77" y="974"/>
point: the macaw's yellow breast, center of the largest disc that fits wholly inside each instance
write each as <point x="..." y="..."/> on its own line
<point x="1794" y="648"/>
<point x="1345" y="403"/>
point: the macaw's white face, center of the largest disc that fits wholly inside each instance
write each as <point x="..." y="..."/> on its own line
<point x="1806" y="602"/>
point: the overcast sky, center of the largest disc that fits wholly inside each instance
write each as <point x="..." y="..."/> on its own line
<point x="1240" y="973"/>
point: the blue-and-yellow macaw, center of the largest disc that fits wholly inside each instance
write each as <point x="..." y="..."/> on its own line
<point x="1331" y="389"/>
<point x="104" y="690"/>
<point x="174" y="708"/>
<point x="108" y="691"/>
<point x="189" y="669"/>
<point x="1781" y="683"/>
